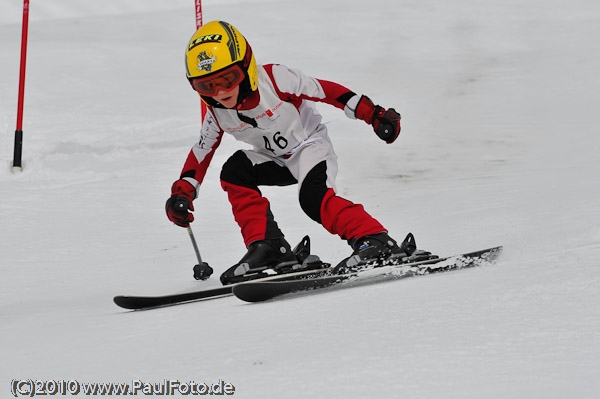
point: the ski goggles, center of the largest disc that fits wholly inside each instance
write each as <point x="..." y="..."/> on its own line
<point x="226" y="80"/>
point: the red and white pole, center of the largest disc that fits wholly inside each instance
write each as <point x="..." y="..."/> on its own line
<point x="19" y="131"/>
<point x="198" y="25"/>
<point x="198" y="14"/>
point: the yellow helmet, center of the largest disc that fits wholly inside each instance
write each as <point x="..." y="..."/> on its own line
<point x="216" y="46"/>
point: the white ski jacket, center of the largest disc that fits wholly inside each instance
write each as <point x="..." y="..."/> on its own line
<point x="277" y="120"/>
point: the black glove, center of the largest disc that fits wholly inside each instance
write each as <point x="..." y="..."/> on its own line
<point x="180" y="203"/>
<point x="386" y="123"/>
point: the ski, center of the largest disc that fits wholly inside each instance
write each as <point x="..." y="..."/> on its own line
<point x="307" y="266"/>
<point x="258" y="291"/>
<point x="148" y="302"/>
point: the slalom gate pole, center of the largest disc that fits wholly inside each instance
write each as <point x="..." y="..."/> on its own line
<point x="198" y="25"/>
<point x="198" y="14"/>
<point x="19" y="131"/>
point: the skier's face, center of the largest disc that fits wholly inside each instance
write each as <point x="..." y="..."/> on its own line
<point x="228" y="98"/>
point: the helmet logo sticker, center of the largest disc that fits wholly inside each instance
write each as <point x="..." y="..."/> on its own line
<point x="205" y="61"/>
<point x="205" y="39"/>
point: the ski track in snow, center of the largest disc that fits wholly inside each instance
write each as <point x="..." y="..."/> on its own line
<point x="499" y="146"/>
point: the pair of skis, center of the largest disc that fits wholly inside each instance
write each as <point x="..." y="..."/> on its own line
<point x="265" y="288"/>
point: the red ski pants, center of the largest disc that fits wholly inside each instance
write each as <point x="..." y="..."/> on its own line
<point x="314" y="168"/>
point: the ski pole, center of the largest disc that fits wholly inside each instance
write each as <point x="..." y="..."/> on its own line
<point x="194" y="244"/>
<point x="202" y="270"/>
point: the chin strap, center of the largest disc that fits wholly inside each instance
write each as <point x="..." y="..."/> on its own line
<point x="245" y="118"/>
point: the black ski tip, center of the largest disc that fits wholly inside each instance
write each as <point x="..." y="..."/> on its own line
<point x="124" y="302"/>
<point x="139" y="302"/>
<point x="489" y="254"/>
<point x="252" y="292"/>
<point x="260" y="291"/>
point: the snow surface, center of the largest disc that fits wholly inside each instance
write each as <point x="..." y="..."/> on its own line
<point x="499" y="146"/>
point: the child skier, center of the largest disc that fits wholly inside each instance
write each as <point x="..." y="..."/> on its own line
<point x="272" y="108"/>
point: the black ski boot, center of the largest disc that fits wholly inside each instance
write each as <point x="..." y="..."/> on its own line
<point x="261" y="255"/>
<point x="376" y="250"/>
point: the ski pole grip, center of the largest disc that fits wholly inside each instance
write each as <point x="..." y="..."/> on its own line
<point x="181" y="205"/>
